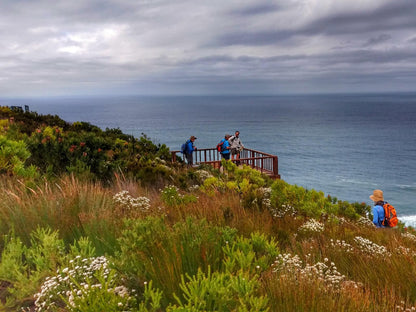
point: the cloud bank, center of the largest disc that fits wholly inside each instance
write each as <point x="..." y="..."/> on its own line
<point x="87" y="47"/>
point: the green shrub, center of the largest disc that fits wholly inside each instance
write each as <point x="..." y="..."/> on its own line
<point x="56" y="147"/>
<point x="286" y="198"/>
<point x="219" y="292"/>
<point x="153" y="251"/>
<point x="171" y="197"/>
<point x="23" y="267"/>
<point x="253" y="255"/>
<point x="87" y="285"/>
<point x="13" y="155"/>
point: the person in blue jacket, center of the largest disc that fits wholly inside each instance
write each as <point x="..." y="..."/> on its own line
<point x="378" y="210"/>
<point x="190" y="148"/>
<point x="225" y="150"/>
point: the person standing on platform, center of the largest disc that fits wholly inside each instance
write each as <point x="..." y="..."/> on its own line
<point x="236" y="147"/>
<point x="189" y="149"/>
<point x="225" y="147"/>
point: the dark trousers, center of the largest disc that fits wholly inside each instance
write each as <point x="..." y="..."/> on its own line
<point x="226" y="156"/>
<point x="189" y="159"/>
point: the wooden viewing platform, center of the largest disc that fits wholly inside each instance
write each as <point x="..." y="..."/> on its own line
<point x="263" y="162"/>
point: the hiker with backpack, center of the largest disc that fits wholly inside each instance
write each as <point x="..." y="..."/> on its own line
<point x="187" y="149"/>
<point x="384" y="214"/>
<point x="224" y="147"/>
<point x="236" y="146"/>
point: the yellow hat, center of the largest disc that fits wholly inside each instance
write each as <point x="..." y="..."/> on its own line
<point x="377" y="196"/>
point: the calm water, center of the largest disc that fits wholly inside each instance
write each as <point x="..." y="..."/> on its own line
<point x="344" y="145"/>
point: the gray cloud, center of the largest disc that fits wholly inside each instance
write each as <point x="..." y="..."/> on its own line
<point x="378" y="39"/>
<point x="258" y="8"/>
<point x="161" y="46"/>
<point x="391" y="16"/>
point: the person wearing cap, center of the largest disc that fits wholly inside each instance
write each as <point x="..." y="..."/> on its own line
<point x="378" y="210"/>
<point x="225" y="151"/>
<point x="190" y="148"/>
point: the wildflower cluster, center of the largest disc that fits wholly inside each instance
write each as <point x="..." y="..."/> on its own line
<point x="370" y="248"/>
<point x="265" y="191"/>
<point x="287" y="264"/>
<point x="128" y="202"/>
<point x="321" y="272"/>
<point x="403" y="307"/>
<point x="171" y="196"/>
<point x="342" y="220"/>
<point x="332" y="218"/>
<point x="409" y="236"/>
<point x="283" y="210"/>
<point x="365" y="222"/>
<point x="266" y="203"/>
<point x="312" y="225"/>
<point x="342" y="245"/>
<point x="170" y="190"/>
<point x="74" y="282"/>
<point x="325" y="272"/>
<point x="265" y="194"/>
<point x="193" y="188"/>
<point x="408" y="252"/>
<point x="203" y="174"/>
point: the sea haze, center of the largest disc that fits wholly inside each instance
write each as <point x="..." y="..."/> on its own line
<point x="344" y="145"/>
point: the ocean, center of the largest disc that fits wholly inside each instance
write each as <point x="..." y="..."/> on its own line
<point x="343" y="145"/>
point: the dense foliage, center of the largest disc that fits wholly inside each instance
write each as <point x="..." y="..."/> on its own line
<point x="94" y="220"/>
<point x="56" y="147"/>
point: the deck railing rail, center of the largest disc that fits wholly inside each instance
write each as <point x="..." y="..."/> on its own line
<point x="265" y="163"/>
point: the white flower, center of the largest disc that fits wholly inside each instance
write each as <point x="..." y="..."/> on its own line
<point x="293" y="267"/>
<point x="312" y="226"/>
<point x="409" y="236"/>
<point x="370" y="248"/>
<point x="282" y="211"/>
<point x="341" y="245"/>
<point x="128" y="202"/>
<point x="365" y="222"/>
<point x="63" y="283"/>
<point x="203" y="175"/>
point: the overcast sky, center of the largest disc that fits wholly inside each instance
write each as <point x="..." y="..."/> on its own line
<point x="88" y="47"/>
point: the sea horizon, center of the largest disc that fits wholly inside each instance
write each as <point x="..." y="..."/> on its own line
<point x="344" y="144"/>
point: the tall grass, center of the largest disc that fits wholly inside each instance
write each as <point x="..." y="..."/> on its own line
<point x="190" y="239"/>
<point x="74" y="208"/>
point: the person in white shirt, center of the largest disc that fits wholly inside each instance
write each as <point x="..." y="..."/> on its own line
<point x="236" y="146"/>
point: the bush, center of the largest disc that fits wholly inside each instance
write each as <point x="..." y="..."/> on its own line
<point x="293" y="199"/>
<point x="220" y="292"/>
<point x="23" y="267"/>
<point x="57" y="147"/>
<point x="13" y="155"/>
<point x="153" y="251"/>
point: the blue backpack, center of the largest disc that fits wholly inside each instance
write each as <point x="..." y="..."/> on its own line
<point x="184" y="147"/>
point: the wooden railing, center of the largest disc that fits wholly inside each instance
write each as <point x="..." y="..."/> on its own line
<point x="265" y="163"/>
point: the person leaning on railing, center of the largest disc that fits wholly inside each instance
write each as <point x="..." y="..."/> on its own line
<point x="190" y="148"/>
<point x="236" y="146"/>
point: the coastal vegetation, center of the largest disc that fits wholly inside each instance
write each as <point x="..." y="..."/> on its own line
<point x="96" y="220"/>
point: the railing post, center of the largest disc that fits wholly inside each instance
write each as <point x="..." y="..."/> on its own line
<point x="252" y="159"/>
<point x="275" y="167"/>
